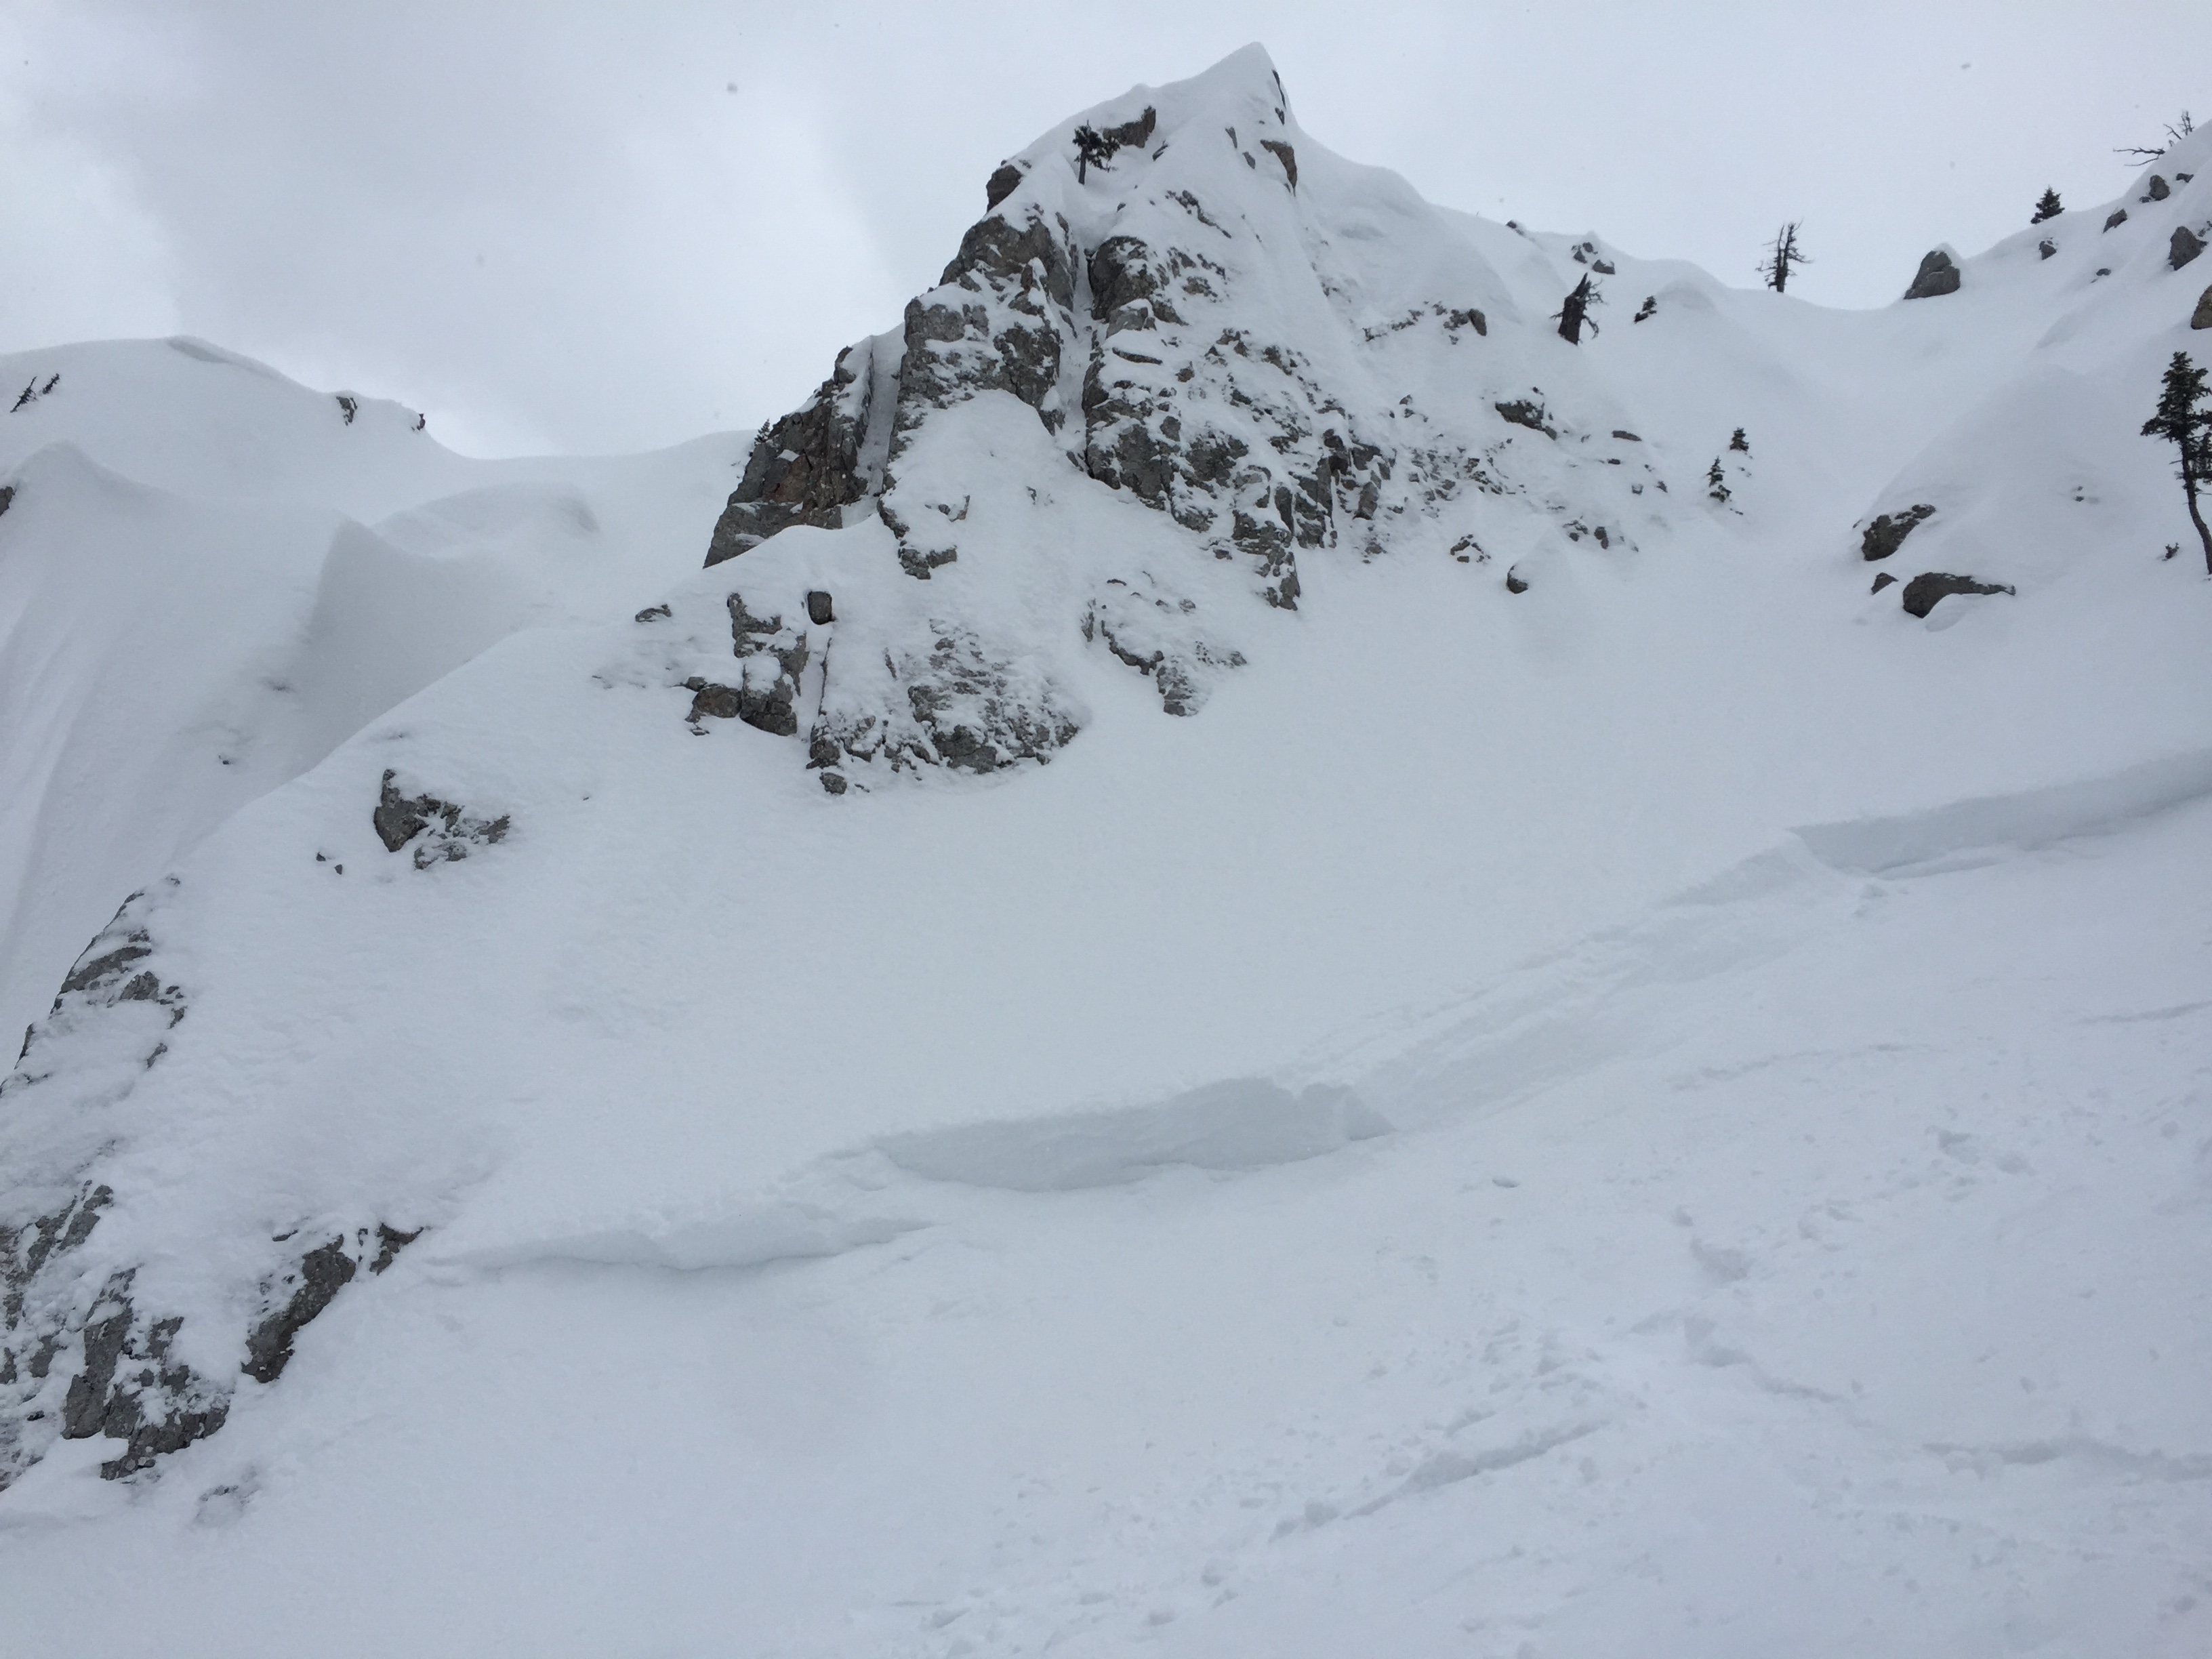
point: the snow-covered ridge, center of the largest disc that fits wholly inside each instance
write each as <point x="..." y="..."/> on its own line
<point x="210" y="576"/>
<point x="517" y="901"/>
<point x="1318" y="360"/>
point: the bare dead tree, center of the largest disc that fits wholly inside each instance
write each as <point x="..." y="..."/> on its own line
<point x="1573" y="315"/>
<point x="2175" y="132"/>
<point x="1783" y="256"/>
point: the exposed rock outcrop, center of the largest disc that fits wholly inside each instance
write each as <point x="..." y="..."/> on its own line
<point x="89" y="1348"/>
<point x="1888" y="530"/>
<point x="957" y="703"/>
<point x="809" y="466"/>
<point x="1937" y="276"/>
<point x="441" y="830"/>
<point x="771" y="658"/>
<point x="1924" y="591"/>
<point x="2202" y="317"/>
<point x="1166" y="308"/>
<point x="303" y="1288"/>
<point x="2186" y="246"/>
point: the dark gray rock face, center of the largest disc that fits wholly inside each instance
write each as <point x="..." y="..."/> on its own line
<point x="2186" y="246"/>
<point x="1888" y="532"/>
<point x="1884" y="579"/>
<point x="1924" y="591"/>
<point x="1137" y="131"/>
<point x="2156" y="190"/>
<point x="2046" y="248"/>
<point x="441" y="830"/>
<point x="1283" y="153"/>
<point x="2202" y="317"/>
<point x="770" y="659"/>
<point x="1523" y="412"/>
<point x="303" y="1289"/>
<point x="131" y="1389"/>
<point x="1003" y="183"/>
<point x="6" y="496"/>
<point x="1232" y="440"/>
<point x="807" y="467"/>
<point x="87" y="1350"/>
<point x="1936" y="276"/>
<point x="2118" y="218"/>
<point x="1003" y="329"/>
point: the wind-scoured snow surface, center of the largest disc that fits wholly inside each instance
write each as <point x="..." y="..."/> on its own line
<point x="1244" y="977"/>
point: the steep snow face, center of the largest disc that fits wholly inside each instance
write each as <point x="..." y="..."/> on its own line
<point x="1517" y="965"/>
<point x="210" y="576"/>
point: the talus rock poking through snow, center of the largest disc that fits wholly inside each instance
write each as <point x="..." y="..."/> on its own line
<point x="1937" y="276"/>
<point x="1924" y="591"/>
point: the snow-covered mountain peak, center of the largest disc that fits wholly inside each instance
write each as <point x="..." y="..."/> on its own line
<point x="1185" y="350"/>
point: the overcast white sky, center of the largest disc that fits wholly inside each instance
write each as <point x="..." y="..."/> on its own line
<point x="609" y="228"/>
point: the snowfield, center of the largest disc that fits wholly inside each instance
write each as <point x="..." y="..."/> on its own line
<point x="1245" y="978"/>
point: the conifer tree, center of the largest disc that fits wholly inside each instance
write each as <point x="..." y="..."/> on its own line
<point x="1092" y="146"/>
<point x="2049" y="208"/>
<point x="1716" y="483"/>
<point x="2182" y="420"/>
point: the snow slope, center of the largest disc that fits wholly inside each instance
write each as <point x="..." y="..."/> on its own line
<point x="212" y="576"/>
<point x="1190" y="1067"/>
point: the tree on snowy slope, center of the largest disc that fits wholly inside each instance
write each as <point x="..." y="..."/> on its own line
<point x="2182" y="422"/>
<point x="1093" y="149"/>
<point x="1574" y="312"/>
<point x="1783" y="257"/>
<point x="2048" y="208"/>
